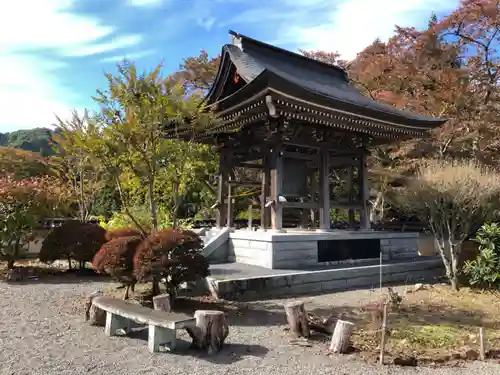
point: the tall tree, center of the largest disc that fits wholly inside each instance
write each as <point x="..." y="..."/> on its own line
<point x="77" y="167"/>
<point x="198" y="72"/>
<point x="137" y="112"/>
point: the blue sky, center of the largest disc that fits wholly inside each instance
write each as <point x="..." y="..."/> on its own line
<point x="53" y="53"/>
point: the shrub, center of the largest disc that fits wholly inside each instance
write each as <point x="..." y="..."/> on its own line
<point x="454" y="198"/>
<point x="72" y="240"/>
<point x="484" y="271"/>
<point x="173" y="254"/>
<point x="123" y="232"/>
<point x="116" y="258"/>
<point x="23" y="204"/>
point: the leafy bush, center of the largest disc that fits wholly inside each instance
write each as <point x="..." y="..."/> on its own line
<point x="454" y="198"/>
<point x="484" y="271"/>
<point x="72" y="240"/>
<point x="116" y="258"/>
<point x="142" y="215"/>
<point x="173" y="254"/>
<point x="23" y="204"/>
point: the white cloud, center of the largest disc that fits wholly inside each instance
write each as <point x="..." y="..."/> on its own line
<point x="350" y="25"/>
<point x="128" y="56"/>
<point x="143" y="3"/>
<point x="95" y="48"/>
<point x="30" y="89"/>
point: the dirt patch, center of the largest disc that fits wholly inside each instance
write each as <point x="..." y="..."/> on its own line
<point x="433" y="324"/>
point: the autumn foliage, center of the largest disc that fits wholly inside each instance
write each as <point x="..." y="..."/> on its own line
<point x="173" y="254"/>
<point x="73" y="240"/>
<point x="24" y="203"/>
<point x="115" y="258"/>
<point x="122" y="232"/>
<point x="451" y="69"/>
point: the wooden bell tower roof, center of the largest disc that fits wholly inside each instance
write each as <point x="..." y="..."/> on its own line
<point x="254" y="76"/>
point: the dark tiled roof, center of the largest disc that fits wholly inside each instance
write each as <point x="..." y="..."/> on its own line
<point x="327" y="80"/>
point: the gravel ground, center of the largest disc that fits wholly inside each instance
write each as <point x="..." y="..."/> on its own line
<point x="42" y="332"/>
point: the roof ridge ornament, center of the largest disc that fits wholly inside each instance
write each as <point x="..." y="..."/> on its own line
<point x="236" y="40"/>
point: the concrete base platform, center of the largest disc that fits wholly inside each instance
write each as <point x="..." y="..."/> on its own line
<point x="299" y="249"/>
<point x="241" y="281"/>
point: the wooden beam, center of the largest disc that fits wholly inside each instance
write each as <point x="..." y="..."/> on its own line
<point x="350" y="188"/>
<point x="298" y="155"/>
<point x="244" y="183"/>
<point x="221" y="214"/>
<point x="276" y="185"/>
<point x="364" y="191"/>
<point x="301" y="205"/>
<point x="265" y="192"/>
<point x="314" y="191"/>
<point x="249" y="165"/>
<point x="324" y="190"/>
<point x="229" y="203"/>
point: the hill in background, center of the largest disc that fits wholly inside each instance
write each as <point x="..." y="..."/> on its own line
<point x="37" y="140"/>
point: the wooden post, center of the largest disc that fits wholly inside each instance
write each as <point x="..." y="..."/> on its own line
<point x="161" y="302"/>
<point x="221" y="215"/>
<point x="382" y="339"/>
<point x="297" y="318"/>
<point x="314" y="191"/>
<point x="211" y="330"/>
<point x="324" y="172"/>
<point x="265" y="191"/>
<point x="276" y="185"/>
<point x="229" y="204"/>
<point x="364" y="193"/>
<point x="482" y="355"/>
<point x="341" y="336"/>
<point x="250" y="216"/>
<point x="350" y="187"/>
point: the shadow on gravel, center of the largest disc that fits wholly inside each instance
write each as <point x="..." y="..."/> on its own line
<point x="229" y="354"/>
<point x="238" y="313"/>
<point x="47" y="275"/>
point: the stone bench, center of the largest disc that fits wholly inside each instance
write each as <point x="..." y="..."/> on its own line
<point x="162" y="325"/>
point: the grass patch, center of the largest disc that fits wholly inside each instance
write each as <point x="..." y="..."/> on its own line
<point x="433" y="321"/>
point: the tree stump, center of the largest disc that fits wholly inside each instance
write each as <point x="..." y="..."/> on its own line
<point x="94" y="315"/>
<point x="210" y="332"/>
<point x="162" y="302"/>
<point x="297" y="318"/>
<point x="341" y="336"/>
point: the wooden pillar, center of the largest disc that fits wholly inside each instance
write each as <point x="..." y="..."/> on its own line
<point x="364" y="193"/>
<point x="265" y="191"/>
<point x="230" y="213"/>
<point x="314" y="191"/>
<point x="324" y="185"/>
<point x="350" y="187"/>
<point x="221" y="215"/>
<point x="276" y="185"/>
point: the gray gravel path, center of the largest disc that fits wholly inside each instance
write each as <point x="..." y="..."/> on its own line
<point x="42" y="332"/>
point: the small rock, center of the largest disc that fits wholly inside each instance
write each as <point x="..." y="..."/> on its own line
<point x="471" y="355"/>
<point x="418" y="287"/>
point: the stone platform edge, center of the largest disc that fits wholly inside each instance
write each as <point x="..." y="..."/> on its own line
<point x="322" y="281"/>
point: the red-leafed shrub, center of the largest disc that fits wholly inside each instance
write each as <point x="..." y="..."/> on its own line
<point x="72" y="240"/>
<point x="116" y="257"/>
<point x="173" y="254"/>
<point x="122" y="232"/>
